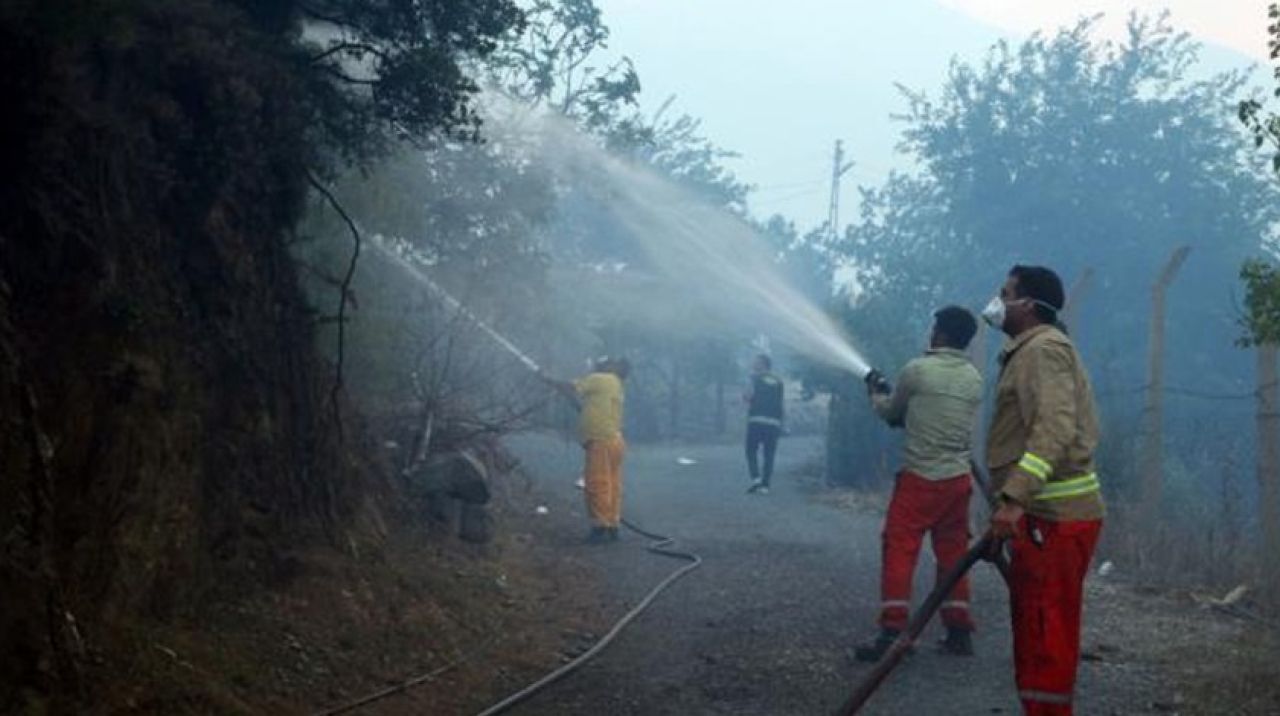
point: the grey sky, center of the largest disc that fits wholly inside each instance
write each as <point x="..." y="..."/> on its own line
<point x="778" y="82"/>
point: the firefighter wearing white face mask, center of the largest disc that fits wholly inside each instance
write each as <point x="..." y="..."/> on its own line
<point x="1040" y="451"/>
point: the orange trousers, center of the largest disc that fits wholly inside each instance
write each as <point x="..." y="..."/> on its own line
<point x="603" y="477"/>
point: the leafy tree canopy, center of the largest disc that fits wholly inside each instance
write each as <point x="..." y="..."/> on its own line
<point x="1074" y="153"/>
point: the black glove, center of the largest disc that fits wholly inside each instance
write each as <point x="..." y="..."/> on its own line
<point x="877" y="383"/>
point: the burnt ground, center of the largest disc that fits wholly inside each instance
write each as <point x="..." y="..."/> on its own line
<point x="789" y="583"/>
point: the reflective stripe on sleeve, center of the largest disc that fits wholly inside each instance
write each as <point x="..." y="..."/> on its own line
<point x="1035" y="465"/>
<point x="1074" y="487"/>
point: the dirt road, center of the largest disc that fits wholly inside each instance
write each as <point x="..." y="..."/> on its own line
<point x="788" y="585"/>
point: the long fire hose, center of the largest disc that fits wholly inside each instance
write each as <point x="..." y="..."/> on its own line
<point x="408" y="684"/>
<point x="661" y="545"/>
<point x="902" y="644"/>
<point x="999" y="558"/>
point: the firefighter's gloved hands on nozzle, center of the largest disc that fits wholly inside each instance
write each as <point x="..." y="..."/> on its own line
<point x="877" y="384"/>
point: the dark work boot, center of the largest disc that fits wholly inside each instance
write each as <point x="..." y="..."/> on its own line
<point x="611" y="534"/>
<point x="598" y="535"/>
<point x="874" y="648"/>
<point x="958" y="642"/>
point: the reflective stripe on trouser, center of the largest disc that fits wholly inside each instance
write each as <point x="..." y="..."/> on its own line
<point x="1043" y="703"/>
<point x="919" y="505"/>
<point x="603" y="478"/>
<point x="1046" y="593"/>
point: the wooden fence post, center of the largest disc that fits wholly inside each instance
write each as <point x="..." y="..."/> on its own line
<point x="1153" y="409"/>
<point x="1268" y="422"/>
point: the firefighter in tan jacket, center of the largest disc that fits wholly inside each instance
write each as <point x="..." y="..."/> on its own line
<point x="1040" y="451"/>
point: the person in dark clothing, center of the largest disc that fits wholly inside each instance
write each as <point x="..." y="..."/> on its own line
<point x="764" y="422"/>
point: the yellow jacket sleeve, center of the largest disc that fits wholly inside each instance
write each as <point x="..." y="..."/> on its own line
<point x="586" y="385"/>
<point x="1047" y="401"/>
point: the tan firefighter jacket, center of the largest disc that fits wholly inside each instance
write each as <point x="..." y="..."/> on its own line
<point x="1045" y="429"/>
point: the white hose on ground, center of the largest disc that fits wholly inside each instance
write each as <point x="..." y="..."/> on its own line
<point x="661" y="545"/>
<point x="406" y="685"/>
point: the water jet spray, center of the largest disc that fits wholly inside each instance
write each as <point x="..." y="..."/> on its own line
<point x="709" y="256"/>
<point x="421" y="277"/>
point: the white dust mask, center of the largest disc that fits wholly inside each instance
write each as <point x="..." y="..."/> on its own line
<point x="993" y="314"/>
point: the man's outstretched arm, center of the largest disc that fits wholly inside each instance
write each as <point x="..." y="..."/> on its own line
<point x="892" y="407"/>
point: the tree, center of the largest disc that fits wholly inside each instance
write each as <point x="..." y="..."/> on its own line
<point x="384" y="71"/>
<point x="1265" y="128"/>
<point x="472" y="213"/>
<point x="1060" y="151"/>
<point x="546" y="65"/>
<point x="157" y="361"/>
<point x="1069" y="146"/>
<point x="555" y="66"/>
<point x="1261" y="324"/>
<point x="499" y="228"/>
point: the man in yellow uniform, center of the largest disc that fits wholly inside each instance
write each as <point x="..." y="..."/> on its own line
<point x="600" y="396"/>
<point x="1040" y="451"/>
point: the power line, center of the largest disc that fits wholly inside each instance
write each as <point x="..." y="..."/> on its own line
<point x="785" y="197"/>
<point x="789" y="185"/>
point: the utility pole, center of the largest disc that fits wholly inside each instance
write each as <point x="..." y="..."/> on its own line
<point x="838" y="167"/>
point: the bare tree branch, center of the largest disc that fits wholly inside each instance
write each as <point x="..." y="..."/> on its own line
<point x="352" y="47"/>
<point x="344" y="77"/>
<point x="343" y="292"/>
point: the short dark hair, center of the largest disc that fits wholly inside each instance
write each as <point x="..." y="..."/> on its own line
<point x="955" y="326"/>
<point x="768" y="362"/>
<point x="1043" y="286"/>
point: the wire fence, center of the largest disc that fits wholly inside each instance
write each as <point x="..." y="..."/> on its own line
<point x="1254" y="394"/>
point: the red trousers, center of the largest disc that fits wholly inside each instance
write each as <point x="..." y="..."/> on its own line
<point x="919" y="505"/>
<point x="1046" y="588"/>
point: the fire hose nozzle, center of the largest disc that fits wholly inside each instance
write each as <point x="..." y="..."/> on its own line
<point x="877" y="383"/>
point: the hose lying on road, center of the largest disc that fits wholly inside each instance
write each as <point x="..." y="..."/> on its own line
<point x="661" y="545"/>
<point x="406" y="685"/>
